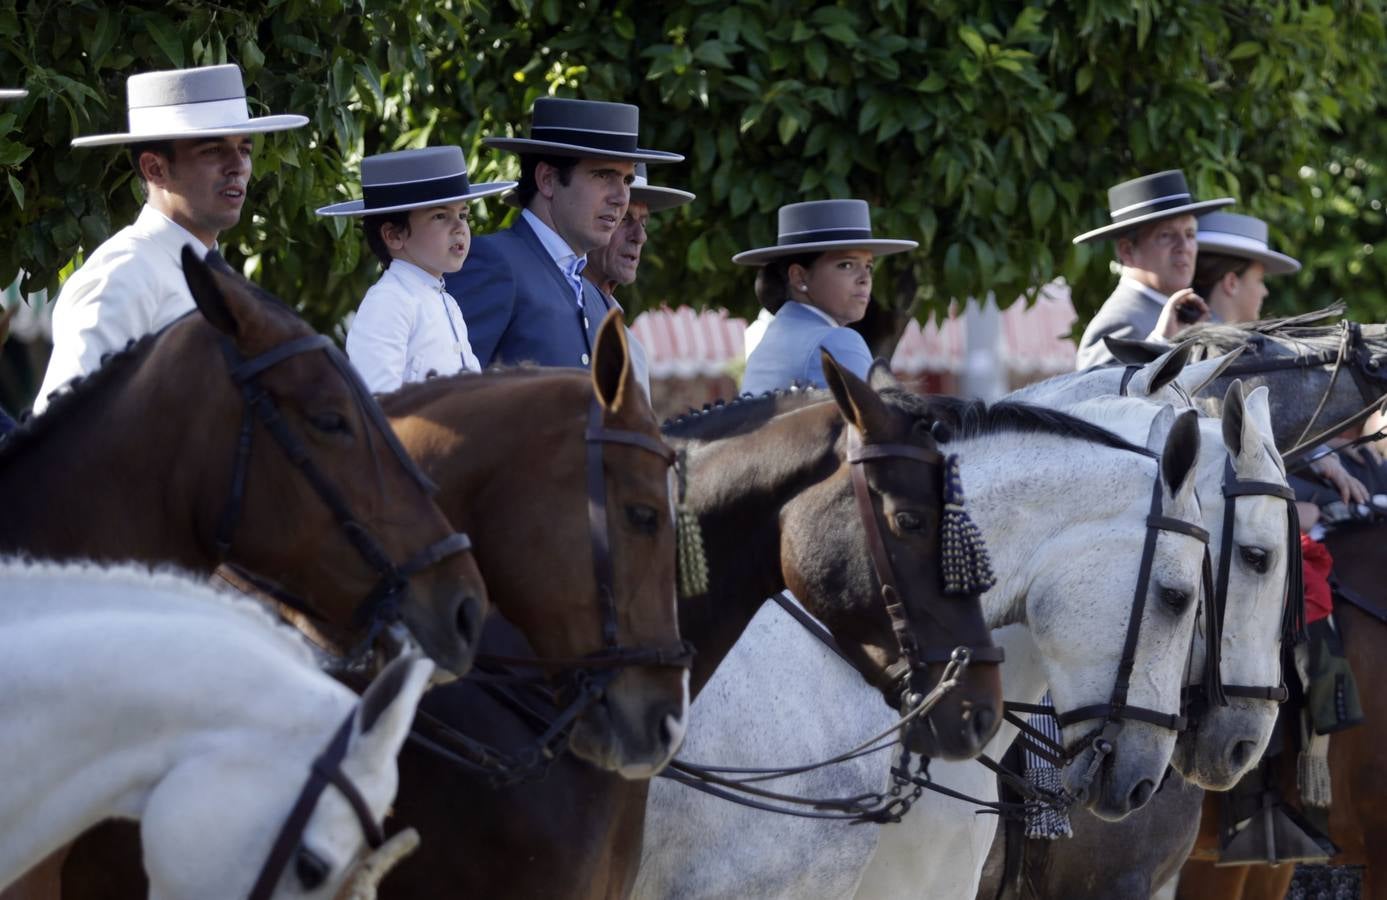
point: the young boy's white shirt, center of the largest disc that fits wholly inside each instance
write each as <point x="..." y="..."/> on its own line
<point x="406" y="327"/>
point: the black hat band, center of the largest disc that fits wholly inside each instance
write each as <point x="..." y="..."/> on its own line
<point x="597" y="140"/>
<point x="414" y="192"/>
<point x="824" y="234"/>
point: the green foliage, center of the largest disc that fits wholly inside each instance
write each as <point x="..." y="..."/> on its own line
<point x="987" y="130"/>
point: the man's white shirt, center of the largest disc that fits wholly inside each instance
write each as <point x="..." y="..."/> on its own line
<point x="133" y="285"/>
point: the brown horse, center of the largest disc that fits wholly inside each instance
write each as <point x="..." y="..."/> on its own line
<point x="522" y="493"/>
<point x="1357" y="756"/>
<point x="136" y="462"/>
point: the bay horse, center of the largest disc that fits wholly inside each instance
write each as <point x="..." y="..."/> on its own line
<point x="1020" y="465"/>
<point x="1357" y="756"/>
<point x="167" y="453"/>
<point x="152" y="697"/>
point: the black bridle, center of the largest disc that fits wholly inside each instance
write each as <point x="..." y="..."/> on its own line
<point x="381" y="605"/>
<point x="326" y="770"/>
<point x="898" y="676"/>
<point x="589" y="674"/>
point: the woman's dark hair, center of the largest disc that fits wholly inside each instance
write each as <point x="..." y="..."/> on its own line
<point x="773" y="280"/>
<point x="1209" y="269"/>
<point x="373" y="225"/>
<point x="527" y="188"/>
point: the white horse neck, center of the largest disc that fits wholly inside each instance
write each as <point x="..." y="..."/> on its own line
<point x="113" y="676"/>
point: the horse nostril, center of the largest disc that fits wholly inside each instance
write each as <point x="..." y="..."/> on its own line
<point x="1141" y="794"/>
<point x="1241" y="754"/>
<point x="468" y="621"/>
<point x="984" y="717"/>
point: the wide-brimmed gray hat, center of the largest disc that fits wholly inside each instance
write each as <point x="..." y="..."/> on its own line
<point x="413" y="179"/>
<point x="819" y="225"/>
<point x="189" y="103"/>
<point x="583" y="128"/>
<point x="13" y="93"/>
<point x="1244" y="237"/>
<point x="1148" y="198"/>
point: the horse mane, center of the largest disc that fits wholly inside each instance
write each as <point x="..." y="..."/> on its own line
<point x="419" y="393"/>
<point x="1297" y="333"/>
<point x="721" y="418"/>
<point x="974" y="418"/>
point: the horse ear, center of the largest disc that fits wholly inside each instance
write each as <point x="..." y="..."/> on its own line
<point x="1132" y="352"/>
<point x="879" y="377"/>
<point x="611" y="362"/>
<point x="386" y="711"/>
<point x="1197" y="376"/>
<point x="207" y="294"/>
<point x="1181" y="453"/>
<point x="1157" y="374"/>
<point x="856" y="400"/>
<point x="1234" y="416"/>
<point x="1257" y="417"/>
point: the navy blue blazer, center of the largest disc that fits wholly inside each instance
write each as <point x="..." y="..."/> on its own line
<point x="518" y="305"/>
<point x="789" y="351"/>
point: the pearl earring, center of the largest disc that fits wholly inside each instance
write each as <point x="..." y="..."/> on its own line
<point x="804" y="287"/>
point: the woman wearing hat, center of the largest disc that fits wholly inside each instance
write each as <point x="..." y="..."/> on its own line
<point x="1233" y="259"/>
<point x="414" y="210"/>
<point x="817" y="279"/>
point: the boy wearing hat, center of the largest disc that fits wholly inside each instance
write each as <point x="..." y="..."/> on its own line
<point x="414" y="209"/>
<point x="1154" y="227"/>
<point x="189" y="134"/>
<point x="617" y="262"/>
<point x="522" y="290"/>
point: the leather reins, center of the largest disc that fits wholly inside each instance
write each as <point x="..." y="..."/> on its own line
<point x="326" y="770"/>
<point x="381" y="605"/>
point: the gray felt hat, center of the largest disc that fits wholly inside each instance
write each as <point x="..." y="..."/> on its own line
<point x="584" y="128"/>
<point x="1244" y="237"/>
<point x="13" y="94"/>
<point x="413" y="179"/>
<point x="1147" y="199"/>
<point x="820" y="225"/>
<point x="189" y="103"/>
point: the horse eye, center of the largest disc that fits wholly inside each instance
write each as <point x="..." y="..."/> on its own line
<point x="330" y="422"/>
<point x="643" y="518"/>
<point x="1175" y="598"/>
<point x="1256" y="559"/>
<point x="310" y="869"/>
<point x="908" y="521"/>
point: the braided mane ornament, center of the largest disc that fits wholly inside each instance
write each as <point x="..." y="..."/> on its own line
<point x="690" y="559"/>
<point x="966" y="568"/>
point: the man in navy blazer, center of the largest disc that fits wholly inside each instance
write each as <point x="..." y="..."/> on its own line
<point x="521" y="290"/>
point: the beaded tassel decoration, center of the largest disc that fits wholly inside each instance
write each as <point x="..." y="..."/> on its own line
<point x="966" y="568"/>
<point x="690" y="559"/>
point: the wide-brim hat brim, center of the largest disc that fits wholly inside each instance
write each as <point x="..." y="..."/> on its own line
<point x="551" y="148"/>
<point x="13" y="94"/>
<point x="1229" y="245"/>
<point x="877" y="246"/>
<point x="261" y="125"/>
<point x="1189" y="209"/>
<point x="358" y="207"/>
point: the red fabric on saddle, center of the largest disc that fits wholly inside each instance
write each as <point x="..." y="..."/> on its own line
<point x="1319" y="602"/>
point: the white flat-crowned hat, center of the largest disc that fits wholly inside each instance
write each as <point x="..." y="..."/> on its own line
<point x="820" y="225"/>
<point x="1244" y="237"/>
<point x="413" y="179"/>
<point x="590" y="129"/>
<point x="189" y="103"/>
<point x="1146" y="199"/>
<point x="656" y="199"/>
<point x="13" y="93"/>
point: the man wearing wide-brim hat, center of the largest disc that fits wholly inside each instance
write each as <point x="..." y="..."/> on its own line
<point x="190" y="140"/>
<point x="522" y="290"/>
<point x="615" y="264"/>
<point x="1154" y="228"/>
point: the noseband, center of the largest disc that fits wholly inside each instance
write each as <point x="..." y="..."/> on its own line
<point x="912" y="658"/>
<point x="326" y="770"/>
<point x="381" y="605"/>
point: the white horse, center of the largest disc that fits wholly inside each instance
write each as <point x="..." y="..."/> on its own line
<point x="139" y="695"/>
<point x="1063" y="509"/>
<point x="940" y="848"/>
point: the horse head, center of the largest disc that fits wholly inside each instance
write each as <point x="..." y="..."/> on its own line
<point x="336" y="516"/>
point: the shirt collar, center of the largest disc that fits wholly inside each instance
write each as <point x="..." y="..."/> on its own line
<point x="169" y="232"/>
<point x="563" y="256"/>
<point x="816" y="311"/>
<point x="1146" y="291"/>
<point x="412" y="274"/>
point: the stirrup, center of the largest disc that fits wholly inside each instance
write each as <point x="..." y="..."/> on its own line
<point x="1275" y="835"/>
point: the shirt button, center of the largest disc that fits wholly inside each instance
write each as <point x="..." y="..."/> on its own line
<point x="585" y="359"/>
<point x="586" y="326"/>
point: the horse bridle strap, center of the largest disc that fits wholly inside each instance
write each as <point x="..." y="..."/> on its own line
<point x="381" y="603"/>
<point x="326" y="770"/>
